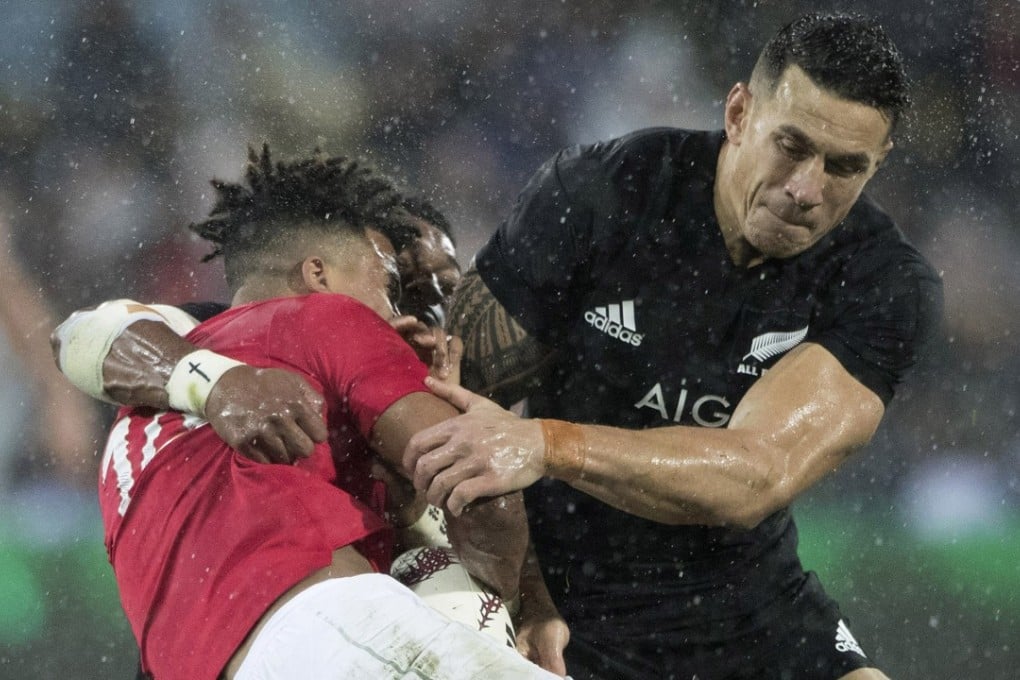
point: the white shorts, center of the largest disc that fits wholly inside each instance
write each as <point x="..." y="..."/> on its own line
<point x="371" y="627"/>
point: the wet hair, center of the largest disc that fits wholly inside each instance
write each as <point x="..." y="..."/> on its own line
<point x="420" y="207"/>
<point x="848" y="55"/>
<point x="276" y="201"/>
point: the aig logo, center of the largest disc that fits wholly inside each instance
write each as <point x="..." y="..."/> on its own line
<point x="709" y="410"/>
<point x="616" y="321"/>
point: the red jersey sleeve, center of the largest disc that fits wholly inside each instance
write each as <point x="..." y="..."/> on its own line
<point x="363" y="364"/>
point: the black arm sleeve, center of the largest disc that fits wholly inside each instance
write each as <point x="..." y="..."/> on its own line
<point x="203" y="311"/>
<point x="886" y="310"/>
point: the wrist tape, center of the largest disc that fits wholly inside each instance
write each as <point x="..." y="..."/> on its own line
<point x="565" y="449"/>
<point x="193" y="378"/>
<point x="85" y="340"/>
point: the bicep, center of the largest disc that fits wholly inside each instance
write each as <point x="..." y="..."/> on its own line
<point x="402" y="420"/>
<point x="501" y="359"/>
<point x="810" y="414"/>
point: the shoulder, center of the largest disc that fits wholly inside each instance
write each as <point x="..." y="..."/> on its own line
<point x="639" y="160"/>
<point x="872" y="241"/>
<point x="638" y="177"/>
<point x="315" y="317"/>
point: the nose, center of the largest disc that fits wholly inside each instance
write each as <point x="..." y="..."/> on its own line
<point x="807" y="183"/>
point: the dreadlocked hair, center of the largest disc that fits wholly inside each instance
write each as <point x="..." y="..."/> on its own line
<point x="329" y="193"/>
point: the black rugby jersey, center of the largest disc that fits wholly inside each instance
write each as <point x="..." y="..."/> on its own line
<point x="613" y="255"/>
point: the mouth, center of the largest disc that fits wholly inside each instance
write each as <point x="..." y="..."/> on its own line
<point x="787" y="219"/>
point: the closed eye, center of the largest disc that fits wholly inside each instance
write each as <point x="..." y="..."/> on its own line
<point x="792" y="150"/>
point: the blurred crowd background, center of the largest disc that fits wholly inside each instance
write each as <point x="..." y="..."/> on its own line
<point x="114" y="115"/>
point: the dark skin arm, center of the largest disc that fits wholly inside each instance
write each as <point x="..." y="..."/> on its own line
<point x="267" y="414"/>
<point x="501" y="361"/>
<point x="492" y="536"/>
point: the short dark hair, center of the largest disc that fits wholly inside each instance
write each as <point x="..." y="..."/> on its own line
<point x="332" y="194"/>
<point x="846" y="54"/>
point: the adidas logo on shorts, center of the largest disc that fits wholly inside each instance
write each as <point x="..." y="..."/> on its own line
<point x="616" y="321"/>
<point x="845" y="641"/>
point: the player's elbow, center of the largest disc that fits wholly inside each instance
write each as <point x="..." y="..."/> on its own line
<point x="763" y="491"/>
<point x="754" y="510"/>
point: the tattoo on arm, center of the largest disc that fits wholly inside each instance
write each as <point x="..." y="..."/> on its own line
<point x="500" y="359"/>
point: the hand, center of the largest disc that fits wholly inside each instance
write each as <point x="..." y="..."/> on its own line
<point x="487" y="451"/>
<point x="541" y="639"/>
<point x="267" y="414"/>
<point x="437" y="350"/>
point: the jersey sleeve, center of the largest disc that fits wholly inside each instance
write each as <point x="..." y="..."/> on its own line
<point x="572" y="220"/>
<point x="203" y="311"/>
<point x="537" y="262"/>
<point x="362" y="363"/>
<point x="883" y="313"/>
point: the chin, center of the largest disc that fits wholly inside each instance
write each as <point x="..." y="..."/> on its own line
<point x="772" y="244"/>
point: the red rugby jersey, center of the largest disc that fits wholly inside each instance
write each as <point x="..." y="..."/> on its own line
<point x="203" y="540"/>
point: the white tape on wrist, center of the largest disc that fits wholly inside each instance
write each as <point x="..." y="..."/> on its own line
<point x="193" y="378"/>
<point x="85" y="340"/>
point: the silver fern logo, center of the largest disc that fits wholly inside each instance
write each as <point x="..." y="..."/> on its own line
<point x="768" y="345"/>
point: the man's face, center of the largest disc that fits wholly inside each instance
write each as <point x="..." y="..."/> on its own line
<point x="428" y="270"/>
<point x="367" y="272"/>
<point x="801" y="159"/>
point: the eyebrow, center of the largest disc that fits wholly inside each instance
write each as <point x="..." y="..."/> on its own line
<point x="858" y="161"/>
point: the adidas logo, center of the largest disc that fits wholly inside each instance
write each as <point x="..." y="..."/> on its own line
<point x="845" y="641"/>
<point x="616" y="321"/>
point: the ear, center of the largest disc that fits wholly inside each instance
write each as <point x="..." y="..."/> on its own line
<point x="738" y="106"/>
<point x="313" y="274"/>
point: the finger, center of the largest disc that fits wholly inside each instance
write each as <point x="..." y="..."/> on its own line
<point x="455" y="353"/>
<point x="423" y="442"/>
<point x="296" y="444"/>
<point x="311" y="423"/>
<point x="407" y="325"/>
<point x="271" y="447"/>
<point x="460" y="398"/>
<point x="524" y="647"/>
<point x="445" y="480"/>
<point x="553" y="661"/>
<point x="440" y="354"/>
<point x="468" y="491"/>
<point x="249" y="451"/>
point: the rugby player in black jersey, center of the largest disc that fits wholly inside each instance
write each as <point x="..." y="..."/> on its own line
<point x="704" y="324"/>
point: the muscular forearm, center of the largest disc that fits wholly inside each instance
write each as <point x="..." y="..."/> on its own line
<point x="490" y="538"/>
<point x="682" y="475"/>
<point x="140" y="361"/>
<point x="738" y="475"/>
<point x="796" y="424"/>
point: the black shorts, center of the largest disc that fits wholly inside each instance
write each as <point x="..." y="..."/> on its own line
<point x="803" y="637"/>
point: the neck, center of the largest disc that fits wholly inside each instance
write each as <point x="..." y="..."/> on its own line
<point x="254" y="290"/>
<point x="727" y="211"/>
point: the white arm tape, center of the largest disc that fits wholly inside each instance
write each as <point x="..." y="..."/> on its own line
<point x="85" y="339"/>
<point x="193" y="378"/>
